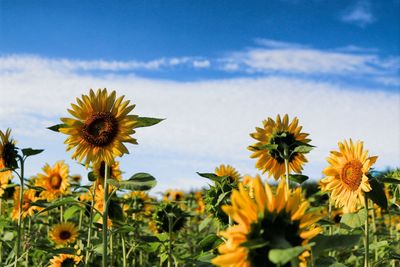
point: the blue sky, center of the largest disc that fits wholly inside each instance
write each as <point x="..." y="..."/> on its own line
<point x="214" y="69"/>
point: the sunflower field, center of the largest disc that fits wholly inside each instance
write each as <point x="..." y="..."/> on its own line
<point x="351" y="217"/>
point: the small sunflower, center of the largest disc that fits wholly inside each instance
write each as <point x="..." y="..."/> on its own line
<point x="174" y="195"/>
<point x="227" y="170"/>
<point x="30" y="195"/>
<point x="76" y="178"/>
<point x="138" y="202"/>
<point x="54" y="181"/>
<point x="64" y="233"/>
<point x="265" y="219"/>
<point x="201" y="206"/>
<point x="272" y="139"/>
<point x="113" y="172"/>
<point x="99" y="205"/>
<point x="65" y="260"/>
<point x="165" y="213"/>
<point x="100" y="127"/>
<point x="346" y="177"/>
<point x="7" y="159"/>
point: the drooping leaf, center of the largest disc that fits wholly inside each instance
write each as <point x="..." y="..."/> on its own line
<point x="377" y="194"/>
<point x="70" y="212"/>
<point x="283" y="256"/>
<point x="146" y="122"/>
<point x="138" y="182"/>
<point x="354" y="220"/>
<point x="298" y="178"/>
<point x="31" y="152"/>
<point x="211" y="176"/>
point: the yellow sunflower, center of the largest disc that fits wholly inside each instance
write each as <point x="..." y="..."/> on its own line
<point x="30" y="195"/>
<point x="201" y="206"/>
<point x="113" y="172"/>
<point x="99" y="205"/>
<point x="174" y="195"/>
<point x="100" y="127"/>
<point x="272" y="139"/>
<point x="54" y="181"/>
<point x="346" y="177"/>
<point x="138" y="203"/>
<point x="65" y="260"/>
<point x="227" y="170"/>
<point x="265" y="218"/>
<point x="76" y="178"/>
<point x="7" y="157"/>
<point x="64" y="233"/>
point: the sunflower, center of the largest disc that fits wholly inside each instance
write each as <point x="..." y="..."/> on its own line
<point x="99" y="205"/>
<point x="54" y="181"/>
<point x="227" y="170"/>
<point x="174" y="195"/>
<point x="201" y="206"/>
<point x="100" y="127"/>
<point x="76" y="178"/>
<point x="346" y="177"/>
<point x="64" y="260"/>
<point x="272" y="220"/>
<point x="113" y="172"/>
<point x="64" y="233"/>
<point x="138" y="202"/>
<point x="30" y="195"/>
<point x="7" y="159"/>
<point x="273" y="140"/>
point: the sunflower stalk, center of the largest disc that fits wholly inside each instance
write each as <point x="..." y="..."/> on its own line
<point x="105" y="216"/>
<point x="123" y="250"/>
<point x="366" y="233"/>
<point x="170" y="222"/>
<point x="21" y="195"/>
<point x="286" y="158"/>
<point x="88" y="244"/>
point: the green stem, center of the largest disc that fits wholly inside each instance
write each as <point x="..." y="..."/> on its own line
<point x="169" y="241"/>
<point x="111" y="248"/>
<point x="29" y="234"/>
<point x="21" y="195"/>
<point x="105" y="216"/>
<point x="123" y="251"/>
<point x="374" y="232"/>
<point x="88" y="244"/>
<point x="80" y="219"/>
<point x="286" y="156"/>
<point x="366" y="233"/>
<point x="61" y="211"/>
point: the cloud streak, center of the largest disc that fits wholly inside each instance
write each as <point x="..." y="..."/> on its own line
<point x="360" y="14"/>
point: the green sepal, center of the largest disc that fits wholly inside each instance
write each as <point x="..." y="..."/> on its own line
<point x="56" y="128"/>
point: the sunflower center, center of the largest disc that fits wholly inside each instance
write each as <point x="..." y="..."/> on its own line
<point x="65" y="235"/>
<point x="282" y="139"/>
<point x="352" y="174"/>
<point x="26" y="204"/>
<point x="55" y="181"/>
<point x="100" y="129"/>
<point x="274" y="231"/>
<point x="68" y="263"/>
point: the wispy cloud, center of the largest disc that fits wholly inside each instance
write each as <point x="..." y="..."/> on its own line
<point x="208" y="122"/>
<point x="360" y="14"/>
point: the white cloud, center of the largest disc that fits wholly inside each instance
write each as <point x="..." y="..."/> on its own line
<point x="201" y="64"/>
<point x="360" y="14"/>
<point x="208" y="122"/>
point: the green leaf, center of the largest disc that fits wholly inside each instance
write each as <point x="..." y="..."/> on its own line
<point x="354" y="220"/>
<point x="8" y="236"/>
<point x="210" y="242"/>
<point x="206" y="222"/>
<point x="31" y="152"/>
<point x="221" y="198"/>
<point x="255" y="243"/>
<point x="211" y="176"/>
<point x="58" y="203"/>
<point x="328" y="262"/>
<point x="146" y="122"/>
<point x="56" y="128"/>
<point x="324" y="242"/>
<point x="390" y="180"/>
<point x="265" y="147"/>
<point x="378" y="245"/>
<point x="69" y="213"/>
<point x="298" y="178"/>
<point x="138" y="182"/>
<point x="302" y="149"/>
<point x="283" y="256"/>
<point x="377" y="194"/>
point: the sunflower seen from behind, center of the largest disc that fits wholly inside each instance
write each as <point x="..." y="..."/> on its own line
<point x="277" y="140"/>
<point x="54" y="181"/>
<point x="266" y="219"/>
<point x="100" y="127"/>
<point x="64" y="233"/>
<point x="346" y="176"/>
<point x="7" y="159"/>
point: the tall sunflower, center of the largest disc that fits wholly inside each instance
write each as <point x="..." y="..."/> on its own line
<point x="54" y="181"/>
<point x="100" y="127"/>
<point x="63" y="260"/>
<point x="7" y="159"/>
<point x="346" y="177"/>
<point x="30" y="195"/>
<point x="64" y="233"/>
<point x="227" y="170"/>
<point x="268" y="219"/>
<point x="272" y="140"/>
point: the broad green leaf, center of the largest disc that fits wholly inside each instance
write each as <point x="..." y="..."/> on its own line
<point x="211" y="176"/>
<point x="69" y="213"/>
<point x="146" y="122"/>
<point x="206" y="222"/>
<point x="8" y="236"/>
<point x="56" y="128"/>
<point x="255" y="243"/>
<point x="31" y="152"/>
<point x="303" y="149"/>
<point x="390" y="180"/>
<point x="138" y="182"/>
<point x="209" y="242"/>
<point x="378" y="245"/>
<point x="324" y="242"/>
<point x="265" y="147"/>
<point x="58" y="203"/>
<point x="377" y="194"/>
<point x="283" y="256"/>
<point x="354" y="220"/>
<point x="298" y="178"/>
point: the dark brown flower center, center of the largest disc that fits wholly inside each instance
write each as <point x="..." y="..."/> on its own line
<point x="55" y="181"/>
<point x="65" y="235"/>
<point x="100" y="129"/>
<point x="352" y="174"/>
